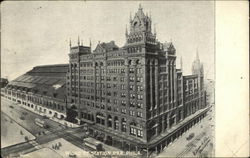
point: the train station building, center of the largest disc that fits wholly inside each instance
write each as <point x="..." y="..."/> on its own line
<point x="132" y="97"/>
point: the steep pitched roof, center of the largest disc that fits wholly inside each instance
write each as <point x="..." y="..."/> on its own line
<point x="110" y="46"/>
<point x="48" y="80"/>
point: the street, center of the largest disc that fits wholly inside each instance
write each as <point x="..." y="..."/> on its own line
<point x="26" y="119"/>
<point x="200" y="145"/>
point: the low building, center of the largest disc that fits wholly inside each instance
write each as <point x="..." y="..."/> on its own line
<point x="41" y="90"/>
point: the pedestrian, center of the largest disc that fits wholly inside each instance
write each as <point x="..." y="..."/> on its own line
<point x="53" y="147"/>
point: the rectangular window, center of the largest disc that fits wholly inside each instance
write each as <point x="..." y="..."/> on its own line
<point x="124" y="127"/>
<point x="139" y="114"/>
<point x="115" y="109"/>
<point x="132" y="131"/>
<point x="123" y="103"/>
<point x="123" y="87"/>
<point x="122" y="79"/>
<point x="124" y="111"/>
<point x="131" y="87"/>
<point x="139" y="105"/>
<point x="131" y="113"/>
<point x="123" y="95"/>
<point x="139" y="70"/>
<point x="131" y="70"/>
<point x="131" y="79"/>
<point x="108" y="85"/>
<point x="132" y="104"/>
<point x="109" y="108"/>
<point x="132" y="95"/>
<point x="139" y="88"/>
<point x="139" y="133"/>
<point x="139" y="97"/>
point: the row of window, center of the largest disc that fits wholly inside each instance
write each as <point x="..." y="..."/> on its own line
<point x="86" y="71"/>
<point x="138" y="79"/>
<point x="115" y="109"/>
<point x="37" y="100"/>
<point x="86" y="64"/>
<point x="136" y="39"/>
<point x="136" y="132"/>
<point x="100" y="119"/>
<point x="116" y="63"/>
<point x="134" y="49"/>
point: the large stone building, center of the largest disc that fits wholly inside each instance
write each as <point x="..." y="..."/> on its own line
<point x="133" y="97"/>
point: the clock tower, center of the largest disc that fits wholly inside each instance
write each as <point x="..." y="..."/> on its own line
<point x="140" y="30"/>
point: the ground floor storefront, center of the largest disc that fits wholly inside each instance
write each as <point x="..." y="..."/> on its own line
<point x="146" y="149"/>
<point x="56" y="116"/>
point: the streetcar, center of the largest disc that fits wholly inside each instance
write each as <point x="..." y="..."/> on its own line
<point x="92" y="143"/>
<point x="41" y="123"/>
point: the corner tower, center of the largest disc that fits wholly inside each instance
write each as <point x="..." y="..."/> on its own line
<point x="197" y="69"/>
<point x="140" y="31"/>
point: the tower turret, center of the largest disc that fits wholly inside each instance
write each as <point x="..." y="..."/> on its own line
<point x="140" y="30"/>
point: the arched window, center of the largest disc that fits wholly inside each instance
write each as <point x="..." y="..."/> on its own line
<point x="109" y="121"/>
<point x="138" y="62"/>
<point x="124" y="125"/>
<point x="129" y="62"/>
<point x="116" y="127"/>
<point x="133" y="130"/>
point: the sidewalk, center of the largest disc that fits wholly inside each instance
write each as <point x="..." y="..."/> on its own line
<point x="183" y="147"/>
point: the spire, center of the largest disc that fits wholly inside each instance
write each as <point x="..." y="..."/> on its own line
<point x="70" y="42"/>
<point x="140" y="8"/>
<point x="90" y="44"/>
<point x="78" y="41"/>
<point x="155" y="29"/>
<point x="181" y="63"/>
<point x="197" y="54"/>
<point x="130" y="18"/>
<point x="126" y="32"/>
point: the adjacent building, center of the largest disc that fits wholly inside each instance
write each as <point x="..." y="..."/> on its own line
<point x="41" y="90"/>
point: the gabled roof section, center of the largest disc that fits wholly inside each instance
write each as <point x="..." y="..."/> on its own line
<point x="169" y="47"/>
<point x="106" y="47"/>
<point x="46" y="80"/>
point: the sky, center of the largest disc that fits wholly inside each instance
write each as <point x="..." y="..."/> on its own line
<point x="37" y="32"/>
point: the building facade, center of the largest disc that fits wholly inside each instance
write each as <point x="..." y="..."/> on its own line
<point x="41" y="90"/>
<point x="133" y="97"/>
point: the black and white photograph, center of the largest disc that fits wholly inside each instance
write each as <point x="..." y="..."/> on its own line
<point x="108" y="79"/>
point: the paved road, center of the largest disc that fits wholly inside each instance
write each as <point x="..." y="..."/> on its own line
<point x="55" y="131"/>
<point x="184" y="148"/>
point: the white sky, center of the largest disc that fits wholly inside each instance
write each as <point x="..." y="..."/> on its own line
<point x="37" y="33"/>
